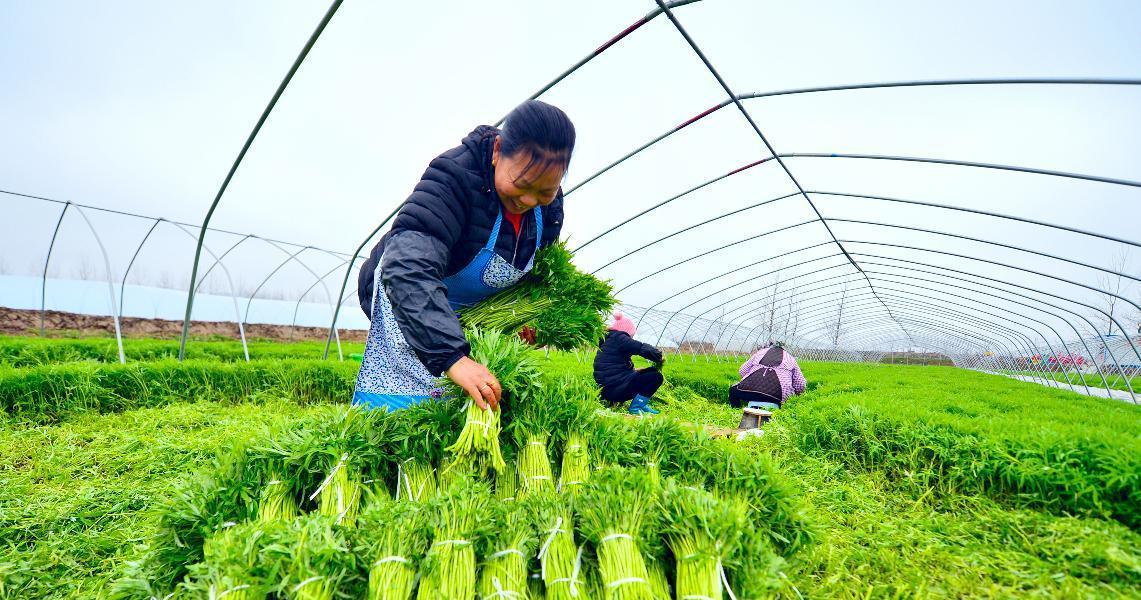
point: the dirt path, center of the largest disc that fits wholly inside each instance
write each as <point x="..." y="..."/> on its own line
<point x="22" y="322"/>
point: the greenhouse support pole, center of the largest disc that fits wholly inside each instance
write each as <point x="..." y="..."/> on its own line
<point x="110" y="285"/>
<point x="297" y="305"/>
<point x="134" y="257"/>
<point x="234" y="168"/>
<point x="233" y="294"/>
<point x="47" y="259"/>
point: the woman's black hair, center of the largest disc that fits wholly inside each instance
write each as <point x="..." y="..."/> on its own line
<point x="545" y="131"/>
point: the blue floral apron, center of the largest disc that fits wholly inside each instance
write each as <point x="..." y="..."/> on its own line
<point x="392" y="376"/>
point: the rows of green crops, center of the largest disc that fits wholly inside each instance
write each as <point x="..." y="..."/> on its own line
<point x="34" y="351"/>
<point x="88" y="490"/>
<point x="1093" y="380"/>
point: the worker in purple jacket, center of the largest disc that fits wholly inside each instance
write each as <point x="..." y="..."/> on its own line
<point x="768" y="378"/>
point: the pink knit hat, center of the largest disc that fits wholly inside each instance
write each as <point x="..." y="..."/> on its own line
<point x="623" y="324"/>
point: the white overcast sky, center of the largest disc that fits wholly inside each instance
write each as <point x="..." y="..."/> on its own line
<point x="142" y="107"/>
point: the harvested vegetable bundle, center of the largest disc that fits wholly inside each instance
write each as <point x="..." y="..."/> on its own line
<point x="560" y="560"/>
<point x="276" y="502"/>
<point x="531" y="421"/>
<point x="322" y="461"/>
<point x="703" y="531"/>
<point x="576" y="464"/>
<point x="506" y="311"/>
<point x="340" y="493"/>
<point x="415" y="480"/>
<point x="507" y="483"/>
<point x="511" y="362"/>
<point x="535" y="474"/>
<point x="506" y="549"/>
<point x="318" y="559"/>
<point x="395" y="537"/>
<point x="575" y="411"/>
<point x="479" y="441"/>
<point x="563" y="304"/>
<point x="615" y="510"/>
<point x="231" y="566"/>
<point x="448" y="571"/>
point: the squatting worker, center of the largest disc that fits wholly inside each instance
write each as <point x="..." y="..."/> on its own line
<point x="614" y="368"/>
<point x="769" y="378"/>
<point x="470" y="229"/>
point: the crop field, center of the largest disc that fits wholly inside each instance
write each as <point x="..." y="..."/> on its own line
<point x="940" y="237"/>
<point x="883" y="480"/>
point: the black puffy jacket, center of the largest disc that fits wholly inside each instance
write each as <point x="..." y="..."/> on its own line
<point x="438" y="231"/>
<point x="613" y="368"/>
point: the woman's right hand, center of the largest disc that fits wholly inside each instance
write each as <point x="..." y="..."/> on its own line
<point x="477" y="381"/>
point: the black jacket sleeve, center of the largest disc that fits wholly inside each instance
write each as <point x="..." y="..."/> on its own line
<point x="632" y="347"/>
<point x="648" y="352"/>
<point x="416" y="254"/>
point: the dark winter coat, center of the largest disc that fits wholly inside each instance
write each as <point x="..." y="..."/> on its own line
<point x="613" y="367"/>
<point x="439" y="230"/>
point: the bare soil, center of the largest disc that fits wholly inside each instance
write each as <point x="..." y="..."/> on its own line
<point x="23" y="322"/>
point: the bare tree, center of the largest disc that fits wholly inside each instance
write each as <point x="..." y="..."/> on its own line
<point x="772" y="305"/>
<point x="85" y="270"/>
<point x="1110" y="302"/>
<point x="791" y="317"/>
<point x="836" y="329"/>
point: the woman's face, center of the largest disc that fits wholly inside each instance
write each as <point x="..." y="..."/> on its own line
<point x="522" y="191"/>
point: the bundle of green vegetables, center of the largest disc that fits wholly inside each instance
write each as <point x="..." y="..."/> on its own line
<point x="560" y="559"/>
<point x="575" y="409"/>
<point x="532" y="420"/>
<point x="458" y="517"/>
<point x="320" y="559"/>
<point x="616" y="510"/>
<point x="506" y="549"/>
<point x="566" y="307"/>
<point x="340" y="493"/>
<point x="703" y="531"/>
<point x="477" y="447"/>
<point x="232" y="566"/>
<point x="394" y="535"/>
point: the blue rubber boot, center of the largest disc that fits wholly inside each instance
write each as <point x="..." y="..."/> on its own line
<point x="641" y="405"/>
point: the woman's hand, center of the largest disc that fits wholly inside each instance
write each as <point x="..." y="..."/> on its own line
<point x="477" y="381"/>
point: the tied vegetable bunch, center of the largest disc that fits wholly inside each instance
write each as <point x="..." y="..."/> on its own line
<point x="576" y="411"/>
<point x="232" y="567"/>
<point x="703" y="531"/>
<point x="564" y="305"/>
<point x="395" y="536"/>
<point x="560" y="560"/>
<point x="315" y="556"/>
<point x="616" y="509"/>
<point x="506" y="549"/>
<point x="506" y="356"/>
<point x="458" y="517"/>
<point x="340" y="493"/>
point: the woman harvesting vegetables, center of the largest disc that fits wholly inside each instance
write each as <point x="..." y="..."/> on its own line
<point x="769" y="378"/>
<point x="615" y="373"/>
<point x="471" y="228"/>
